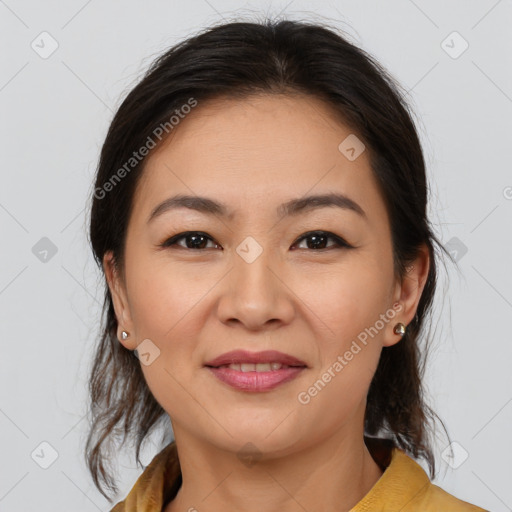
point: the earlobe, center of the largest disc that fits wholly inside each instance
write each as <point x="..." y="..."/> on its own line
<point x="120" y="302"/>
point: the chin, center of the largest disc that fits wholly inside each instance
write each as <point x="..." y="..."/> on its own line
<point x="270" y="438"/>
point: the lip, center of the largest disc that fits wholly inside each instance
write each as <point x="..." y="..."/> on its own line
<point x="256" y="382"/>
<point x="253" y="381"/>
<point x="266" y="356"/>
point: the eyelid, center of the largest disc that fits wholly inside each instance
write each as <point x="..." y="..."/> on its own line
<point x="171" y="241"/>
<point x="340" y="243"/>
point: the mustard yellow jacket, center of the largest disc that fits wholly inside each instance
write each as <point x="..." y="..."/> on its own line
<point x="404" y="486"/>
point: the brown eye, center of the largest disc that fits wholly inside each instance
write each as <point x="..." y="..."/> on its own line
<point x="193" y="240"/>
<point x="318" y="240"/>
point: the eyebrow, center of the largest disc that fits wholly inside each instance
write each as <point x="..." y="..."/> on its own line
<point x="290" y="208"/>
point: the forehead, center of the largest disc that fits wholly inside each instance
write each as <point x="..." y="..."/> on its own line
<point x="244" y="152"/>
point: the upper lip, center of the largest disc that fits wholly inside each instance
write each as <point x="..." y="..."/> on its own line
<point x="244" y="356"/>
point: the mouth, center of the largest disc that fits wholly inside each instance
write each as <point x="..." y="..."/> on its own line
<point x="258" y="367"/>
<point x="244" y="357"/>
<point x="255" y="371"/>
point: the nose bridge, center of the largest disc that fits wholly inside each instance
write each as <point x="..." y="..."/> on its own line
<point x="252" y="275"/>
<point x="255" y="295"/>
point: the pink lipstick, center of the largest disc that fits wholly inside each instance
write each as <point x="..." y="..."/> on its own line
<point x="255" y="371"/>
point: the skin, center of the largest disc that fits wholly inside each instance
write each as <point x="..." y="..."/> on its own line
<point x="195" y="304"/>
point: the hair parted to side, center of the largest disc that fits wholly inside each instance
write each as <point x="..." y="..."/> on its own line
<point x="235" y="60"/>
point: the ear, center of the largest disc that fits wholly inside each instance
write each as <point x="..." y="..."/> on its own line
<point x="120" y="301"/>
<point x="407" y="294"/>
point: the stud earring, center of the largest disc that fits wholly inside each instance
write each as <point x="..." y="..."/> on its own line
<point x="124" y="335"/>
<point x="399" y="329"/>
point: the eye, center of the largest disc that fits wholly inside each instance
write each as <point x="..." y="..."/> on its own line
<point x="193" y="240"/>
<point x="319" y="240"/>
<point x="197" y="240"/>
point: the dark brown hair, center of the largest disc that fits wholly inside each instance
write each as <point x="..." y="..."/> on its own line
<point x="236" y="60"/>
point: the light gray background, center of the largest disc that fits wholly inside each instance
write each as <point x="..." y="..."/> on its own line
<point x="54" y="115"/>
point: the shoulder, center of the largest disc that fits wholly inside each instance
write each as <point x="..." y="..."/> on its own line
<point x="428" y="496"/>
<point x="405" y="486"/>
<point x="435" y="498"/>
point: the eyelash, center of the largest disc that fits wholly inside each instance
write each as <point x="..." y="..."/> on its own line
<point x="340" y="242"/>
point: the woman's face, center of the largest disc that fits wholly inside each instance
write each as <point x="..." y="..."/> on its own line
<point x="253" y="280"/>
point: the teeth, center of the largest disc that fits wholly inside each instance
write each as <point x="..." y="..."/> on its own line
<point x="259" y="367"/>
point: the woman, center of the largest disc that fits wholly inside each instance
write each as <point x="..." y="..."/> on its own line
<point x="259" y="213"/>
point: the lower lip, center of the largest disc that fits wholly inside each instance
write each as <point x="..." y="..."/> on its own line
<point x="256" y="381"/>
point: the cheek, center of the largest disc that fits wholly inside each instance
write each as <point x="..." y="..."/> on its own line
<point x="165" y="304"/>
<point x="164" y="299"/>
<point x="346" y="300"/>
<point x="351" y="304"/>
<point x="349" y="355"/>
<point x="337" y="395"/>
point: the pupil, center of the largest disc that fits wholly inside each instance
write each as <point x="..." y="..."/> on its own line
<point x="316" y="244"/>
<point x="195" y="244"/>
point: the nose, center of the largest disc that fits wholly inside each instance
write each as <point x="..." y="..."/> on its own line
<point x="255" y="295"/>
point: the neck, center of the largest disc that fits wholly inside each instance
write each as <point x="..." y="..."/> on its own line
<point x="334" y="474"/>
